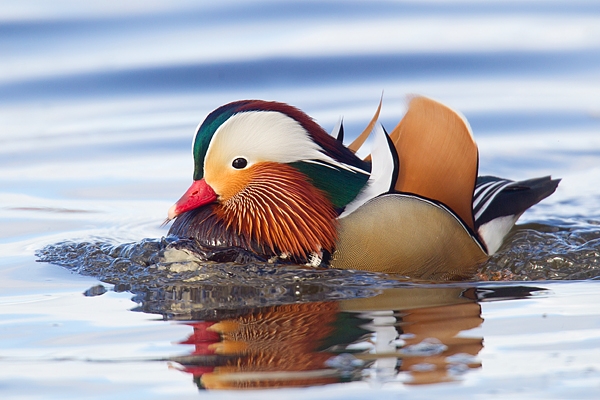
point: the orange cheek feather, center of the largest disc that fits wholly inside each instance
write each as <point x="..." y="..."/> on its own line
<point x="227" y="182"/>
<point x="276" y="206"/>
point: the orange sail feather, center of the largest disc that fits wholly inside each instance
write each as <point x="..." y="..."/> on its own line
<point x="438" y="156"/>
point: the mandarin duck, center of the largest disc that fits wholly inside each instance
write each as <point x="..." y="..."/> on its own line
<point x="268" y="179"/>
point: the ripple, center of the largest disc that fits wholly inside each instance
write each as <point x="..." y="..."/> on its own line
<point x="542" y="252"/>
<point x="180" y="279"/>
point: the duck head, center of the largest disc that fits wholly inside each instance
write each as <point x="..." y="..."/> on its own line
<point x="271" y="176"/>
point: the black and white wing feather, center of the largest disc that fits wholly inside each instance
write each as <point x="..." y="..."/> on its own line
<point x="498" y="203"/>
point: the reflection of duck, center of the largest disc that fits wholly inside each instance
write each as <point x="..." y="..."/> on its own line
<point x="269" y="179"/>
<point x="427" y="320"/>
<point x="411" y="332"/>
<point x="271" y="347"/>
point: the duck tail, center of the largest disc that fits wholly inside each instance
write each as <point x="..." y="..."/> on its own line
<point x="498" y="203"/>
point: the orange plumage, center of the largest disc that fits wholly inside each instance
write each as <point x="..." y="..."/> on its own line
<point x="280" y="208"/>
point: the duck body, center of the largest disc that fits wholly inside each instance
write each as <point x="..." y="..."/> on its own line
<point x="271" y="181"/>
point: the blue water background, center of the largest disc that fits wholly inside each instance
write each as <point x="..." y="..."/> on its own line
<point x="99" y="102"/>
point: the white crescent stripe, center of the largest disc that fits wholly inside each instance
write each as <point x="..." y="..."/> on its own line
<point x="490" y="189"/>
<point x="484" y="207"/>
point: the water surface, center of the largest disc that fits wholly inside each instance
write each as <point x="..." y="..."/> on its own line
<point x="98" y="105"/>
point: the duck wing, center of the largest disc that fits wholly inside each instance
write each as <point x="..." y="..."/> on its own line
<point x="438" y="156"/>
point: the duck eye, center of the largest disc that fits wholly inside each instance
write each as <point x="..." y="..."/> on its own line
<point x="239" y="163"/>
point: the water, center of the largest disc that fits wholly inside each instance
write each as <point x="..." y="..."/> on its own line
<point x="98" y="105"/>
